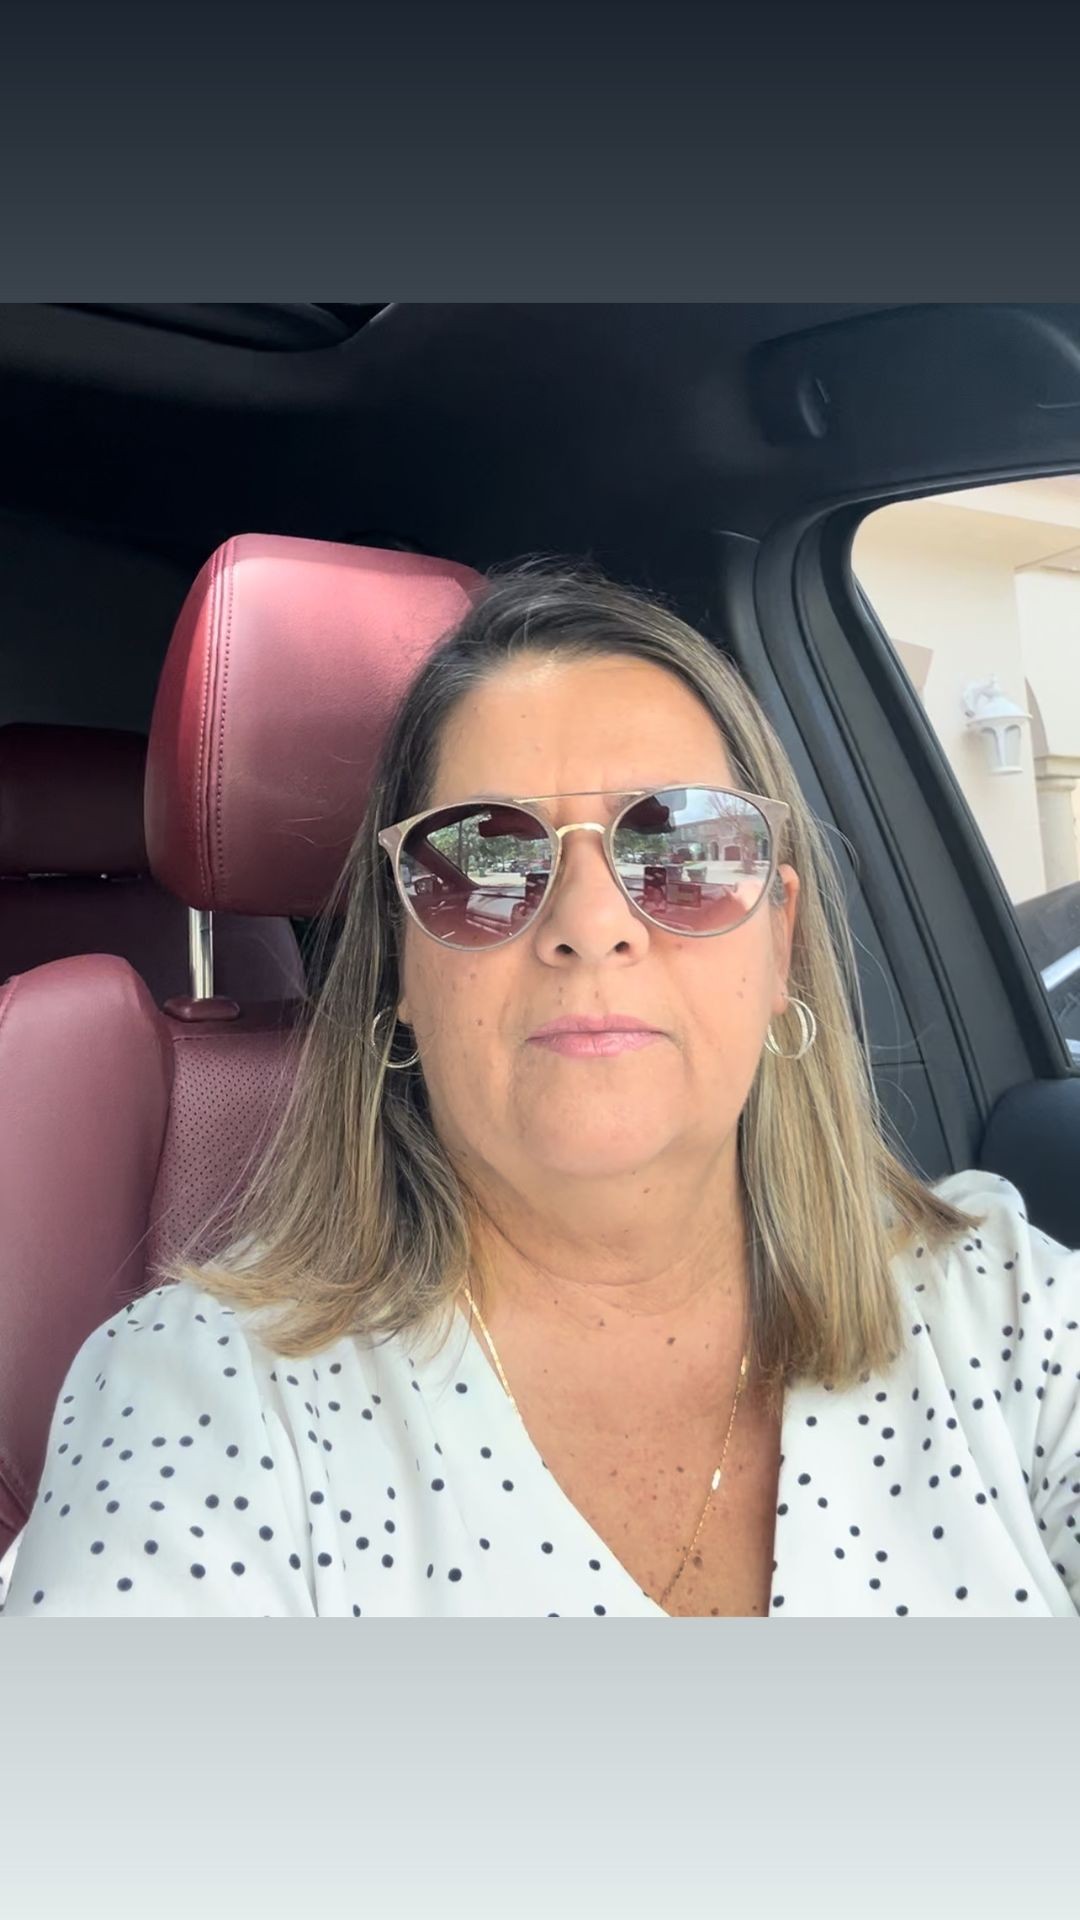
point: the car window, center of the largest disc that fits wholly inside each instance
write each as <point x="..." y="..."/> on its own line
<point x="979" y="593"/>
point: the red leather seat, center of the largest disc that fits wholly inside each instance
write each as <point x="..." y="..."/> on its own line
<point x="124" y="1126"/>
<point x="75" y="876"/>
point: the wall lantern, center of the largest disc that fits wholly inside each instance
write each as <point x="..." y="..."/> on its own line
<point x="998" y="720"/>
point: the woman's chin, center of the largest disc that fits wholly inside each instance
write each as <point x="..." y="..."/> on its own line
<point x="598" y="1151"/>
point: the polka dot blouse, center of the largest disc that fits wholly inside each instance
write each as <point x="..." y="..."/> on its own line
<point x="191" y="1470"/>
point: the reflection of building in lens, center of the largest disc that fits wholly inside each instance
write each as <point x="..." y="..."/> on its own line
<point x="736" y="836"/>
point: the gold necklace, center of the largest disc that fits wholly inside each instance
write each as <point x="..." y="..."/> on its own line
<point x="718" y="1472"/>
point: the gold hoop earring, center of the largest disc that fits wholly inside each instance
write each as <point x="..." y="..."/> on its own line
<point x="808" y="1027"/>
<point x="392" y="1066"/>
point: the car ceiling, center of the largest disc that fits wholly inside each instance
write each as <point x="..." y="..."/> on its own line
<point x="632" y="432"/>
<point x="480" y="431"/>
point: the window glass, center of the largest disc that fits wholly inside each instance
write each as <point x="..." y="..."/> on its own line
<point x="979" y="593"/>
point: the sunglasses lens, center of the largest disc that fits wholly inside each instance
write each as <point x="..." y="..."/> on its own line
<point x="476" y="874"/>
<point x="694" y="859"/>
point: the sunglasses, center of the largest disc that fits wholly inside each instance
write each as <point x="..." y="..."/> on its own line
<point x="691" y="860"/>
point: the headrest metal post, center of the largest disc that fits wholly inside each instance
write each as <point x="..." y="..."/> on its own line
<point x="201" y="953"/>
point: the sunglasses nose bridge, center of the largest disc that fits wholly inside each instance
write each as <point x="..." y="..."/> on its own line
<point x="583" y="826"/>
<point x="578" y="826"/>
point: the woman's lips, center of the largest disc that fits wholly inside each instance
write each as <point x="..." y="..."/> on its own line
<point x="595" y="1037"/>
<point x="595" y="1046"/>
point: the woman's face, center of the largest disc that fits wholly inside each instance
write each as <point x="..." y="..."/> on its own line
<point x="510" y="1107"/>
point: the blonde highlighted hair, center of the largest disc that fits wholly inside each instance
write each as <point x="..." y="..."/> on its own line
<point x="355" y="1222"/>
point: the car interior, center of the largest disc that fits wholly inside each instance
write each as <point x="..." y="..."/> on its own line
<point x="231" y="533"/>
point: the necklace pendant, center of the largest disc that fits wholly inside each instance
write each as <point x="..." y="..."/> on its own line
<point x="716" y="1479"/>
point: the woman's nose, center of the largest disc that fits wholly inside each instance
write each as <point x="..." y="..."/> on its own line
<point x="588" y="914"/>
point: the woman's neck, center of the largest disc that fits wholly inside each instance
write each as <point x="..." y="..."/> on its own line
<point x="648" y="1260"/>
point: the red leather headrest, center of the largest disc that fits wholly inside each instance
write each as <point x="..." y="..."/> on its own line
<point x="288" y="661"/>
<point x="71" y="801"/>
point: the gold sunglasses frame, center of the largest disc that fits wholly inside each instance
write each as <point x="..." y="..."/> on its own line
<point x="392" y="839"/>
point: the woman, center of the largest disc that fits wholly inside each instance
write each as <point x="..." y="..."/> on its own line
<point x="581" y="1279"/>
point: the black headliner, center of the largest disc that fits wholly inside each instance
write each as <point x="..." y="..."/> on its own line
<point x="565" y="421"/>
<point x="632" y="432"/>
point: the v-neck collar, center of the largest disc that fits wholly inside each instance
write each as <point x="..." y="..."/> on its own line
<point x="482" y="1377"/>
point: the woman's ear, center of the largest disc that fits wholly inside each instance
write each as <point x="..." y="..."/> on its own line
<point x="784" y="923"/>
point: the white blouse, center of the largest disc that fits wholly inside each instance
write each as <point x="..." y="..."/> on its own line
<point x="191" y="1470"/>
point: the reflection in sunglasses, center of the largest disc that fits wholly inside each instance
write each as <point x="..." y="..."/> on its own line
<point x="692" y="860"/>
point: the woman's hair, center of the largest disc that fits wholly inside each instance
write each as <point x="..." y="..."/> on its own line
<point x="355" y="1221"/>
